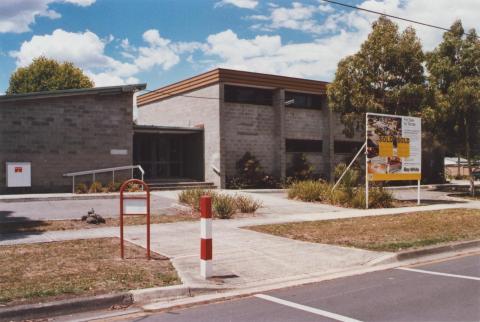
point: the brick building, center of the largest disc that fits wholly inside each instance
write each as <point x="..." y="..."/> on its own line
<point x="273" y="117"/>
<point x="65" y="131"/>
<point x="192" y="130"/>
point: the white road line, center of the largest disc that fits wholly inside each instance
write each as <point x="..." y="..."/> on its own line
<point x="438" y="273"/>
<point x="307" y="308"/>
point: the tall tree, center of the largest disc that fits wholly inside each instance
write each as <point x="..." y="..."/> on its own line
<point x="385" y="76"/>
<point x="45" y="74"/>
<point x="454" y="76"/>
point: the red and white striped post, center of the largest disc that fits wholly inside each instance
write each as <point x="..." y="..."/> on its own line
<point x="206" y="236"/>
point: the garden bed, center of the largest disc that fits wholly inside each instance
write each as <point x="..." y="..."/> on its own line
<point x="385" y="233"/>
<point x="59" y="270"/>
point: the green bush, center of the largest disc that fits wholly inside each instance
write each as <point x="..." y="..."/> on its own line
<point x="113" y="186"/>
<point x="349" y="181"/>
<point x="249" y="174"/>
<point x="191" y="197"/>
<point x="81" y="188"/>
<point x="380" y="198"/>
<point x="246" y="204"/>
<point x="224" y="206"/>
<point x="95" y="187"/>
<point x="301" y="169"/>
<point x="309" y="190"/>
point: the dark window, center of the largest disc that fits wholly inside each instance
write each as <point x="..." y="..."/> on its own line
<point x="292" y="145"/>
<point x="248" y="95"/>
<point x="303" y="100"/>
<point x="346" y="146"/>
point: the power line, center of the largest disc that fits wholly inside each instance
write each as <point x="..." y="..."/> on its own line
<point x="390" y="16"/>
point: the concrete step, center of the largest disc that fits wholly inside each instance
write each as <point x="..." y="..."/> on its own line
<point x="180" y="185"/>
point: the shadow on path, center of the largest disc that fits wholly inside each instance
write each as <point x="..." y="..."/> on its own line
<point x="18" y="227"/>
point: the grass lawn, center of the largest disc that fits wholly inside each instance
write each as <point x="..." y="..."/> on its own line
<point x="385" y="233"/>
<point x="49" y="225"/>
<point x="56" y="270"/>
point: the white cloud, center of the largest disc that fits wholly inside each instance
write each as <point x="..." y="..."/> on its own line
<point x="247" y="4"/>
<point x="17" y="15"/>
<point x="162" y="52"/>
<point x="297" y="17"/>
<point x="267" y="54"/>
<point x="336" y="34"/>
<point x="87" y="51"/>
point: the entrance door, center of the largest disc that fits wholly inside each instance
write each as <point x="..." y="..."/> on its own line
<point x="160" y="155"/>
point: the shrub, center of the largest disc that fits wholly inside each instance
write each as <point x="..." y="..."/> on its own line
<point x="113" y="186"/>
<point x="133" y="187"/>
<point x="191" y="197"/>
<point x="250" y="174"/>
<point x="224" y="206"/>
<point x="95" y="187"/>
<point x="301" y="169"/>
<point x="380" y="198"/>
<point x="81" y="188"/>
<point x="309" y="190"/>
<point x="246" y="204"/>
<point x="349" y="181"/>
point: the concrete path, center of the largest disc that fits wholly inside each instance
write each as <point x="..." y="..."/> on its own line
<point x="54" y="209"/>
<point x="242" y="258"/>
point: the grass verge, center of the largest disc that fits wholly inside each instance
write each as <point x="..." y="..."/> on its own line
<point x="59" y="270"/>
<point x="385" y="233"/>
<point x="51" y="225"/>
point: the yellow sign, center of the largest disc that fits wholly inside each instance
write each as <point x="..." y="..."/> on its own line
<point x="393" y="176"/>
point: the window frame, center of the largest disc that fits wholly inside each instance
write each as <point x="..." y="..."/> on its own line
<point x="353" y="144"/>
<point x="289" y="142"/>
<point x="264" y="101"/>
<point x="311" y="95"/>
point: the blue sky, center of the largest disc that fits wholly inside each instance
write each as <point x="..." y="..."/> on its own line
<point x="162" y="41"/>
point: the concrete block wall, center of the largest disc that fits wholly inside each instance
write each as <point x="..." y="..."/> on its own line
<point x="308" y="124"/>
<point x="64" y="134"/>
<point x="248" y="128"/>
<point x="184" y="111"/>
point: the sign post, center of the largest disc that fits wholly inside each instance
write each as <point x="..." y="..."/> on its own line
<point x="393" y="149"/>
<point x="134" y="205"/>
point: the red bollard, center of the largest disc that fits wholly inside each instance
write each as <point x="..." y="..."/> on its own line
<point x="206" y="236"/>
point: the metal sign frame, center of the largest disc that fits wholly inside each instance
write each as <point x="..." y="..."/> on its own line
<point x="123" y="198"/>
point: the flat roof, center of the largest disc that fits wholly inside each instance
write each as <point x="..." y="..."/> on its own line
<point x="222" y="75"/>
<point x="74" y="92"/>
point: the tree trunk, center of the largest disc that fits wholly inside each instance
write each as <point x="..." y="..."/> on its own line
<point x="458" y="166"/>
<point x="467" y="150"/>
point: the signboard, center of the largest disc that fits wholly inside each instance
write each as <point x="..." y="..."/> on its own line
<point x="19" y="174"/>
<point x="394" y="147"/>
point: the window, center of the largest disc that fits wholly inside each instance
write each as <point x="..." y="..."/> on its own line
<point x="346" y="146"/>
<point x="248" y="95"/>
<point x="303" y="100"/>
<point x="292" y="145"/>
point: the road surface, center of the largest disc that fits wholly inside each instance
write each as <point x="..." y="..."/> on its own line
<point x="443" y="291"/>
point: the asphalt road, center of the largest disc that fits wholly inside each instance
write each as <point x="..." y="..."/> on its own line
<point x="441" y="291"/>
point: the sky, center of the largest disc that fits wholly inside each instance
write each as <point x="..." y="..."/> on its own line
<point x="159" y="42"/>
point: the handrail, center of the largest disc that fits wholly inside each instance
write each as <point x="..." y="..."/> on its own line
<point x="127" y="167"/>
<point x="93" y="172"/>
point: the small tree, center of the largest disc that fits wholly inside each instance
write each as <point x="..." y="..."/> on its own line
<point x="454" y="75"/>
<point x="384" y="76"/>
<point x="45" y="74"/>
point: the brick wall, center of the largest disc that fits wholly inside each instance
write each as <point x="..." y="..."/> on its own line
<point x="184" y="111"/>
<point x="248" y="128"/>
<point x="64" y="134"/>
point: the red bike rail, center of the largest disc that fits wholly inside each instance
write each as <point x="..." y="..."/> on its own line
<point x="125" y="198"/>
